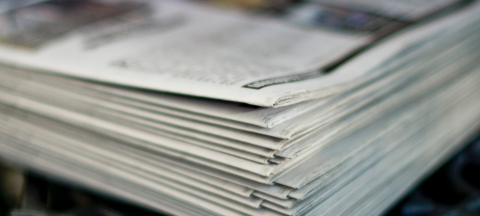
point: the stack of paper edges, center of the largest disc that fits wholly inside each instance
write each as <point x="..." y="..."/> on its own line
<point x="353" y="151"/>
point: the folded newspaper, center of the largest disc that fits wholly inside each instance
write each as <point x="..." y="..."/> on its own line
<point x="193" y="108"/>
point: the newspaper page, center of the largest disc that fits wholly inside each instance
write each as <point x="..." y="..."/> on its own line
<point x="230" y="114"/>
<point x="181" y="47"/>
<point x="185" y="48"/>
<point x="236" y="135"/>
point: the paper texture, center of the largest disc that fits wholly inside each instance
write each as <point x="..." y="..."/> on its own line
<point x="183" y="48"/>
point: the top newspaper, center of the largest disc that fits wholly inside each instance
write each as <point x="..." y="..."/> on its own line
<point x="190" y="49"/>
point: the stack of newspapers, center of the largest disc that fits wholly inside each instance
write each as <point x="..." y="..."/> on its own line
<point x="192" y="108"/>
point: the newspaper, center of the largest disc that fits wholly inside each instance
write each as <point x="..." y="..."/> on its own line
<point x="189" y="107"/>
<point x="415" y="121"/>
<point x="311" y="157"/>
<point x="137" y="152"/>
<point x="448" y="86"/>
<point x="229" y="114"/>
<point x="293" y="151"/>
<point x="189" y="49"/>
<point x="419" y="76"/>
<point x="445" y="142"/>
<point x="114" y="186"/>
<point x="165" y="142"/>
<point x="472" y="82"/>
<point x="147" y="138"/>
<point x="210" y="184"/>
<point x="287" y="129"/>
<point x="145" y="179"/>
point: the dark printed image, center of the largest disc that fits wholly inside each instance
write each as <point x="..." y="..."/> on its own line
<point x="341" y="19"/>
<point x="37" y="24"/>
